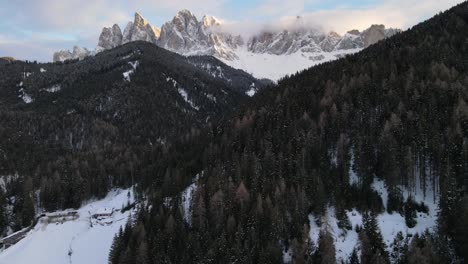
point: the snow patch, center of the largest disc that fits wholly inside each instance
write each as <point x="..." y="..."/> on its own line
<point x="252" y="91"/>
<point x="42" y="70"/>
<point x="211" y="97"/>
<point x="184" y="95"/>
<point x="127" y="74"/>
<point x="287" y="256"/>
<point x="174" y="82"/>
<point x="53" y="88"/>
<point x="26" y="97"/>
<point x="353" y="177"/>
<point x="187" y="197"/>
<point x="378" y="185"/>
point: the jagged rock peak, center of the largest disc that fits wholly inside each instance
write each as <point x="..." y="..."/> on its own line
<point x="140" y="29"/>
<point x="185" y="13"/>
<point x="185" y="20"/>
<point x="139" y="20"/>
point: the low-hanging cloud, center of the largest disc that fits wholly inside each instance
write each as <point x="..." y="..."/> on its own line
<point x="392" y="13"/>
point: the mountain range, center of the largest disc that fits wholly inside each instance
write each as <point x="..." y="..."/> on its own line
<point x="294" y="49"/>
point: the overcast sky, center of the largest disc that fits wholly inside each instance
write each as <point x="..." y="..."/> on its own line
<point x="34" y="29"/>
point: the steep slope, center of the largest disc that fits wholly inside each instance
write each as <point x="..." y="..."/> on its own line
<point x="349" y="147"/>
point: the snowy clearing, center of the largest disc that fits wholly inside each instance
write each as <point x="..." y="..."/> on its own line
<point x="84" y="240"/>
<point x="391" y="224"/>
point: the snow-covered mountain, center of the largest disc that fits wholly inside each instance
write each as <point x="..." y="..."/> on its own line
<point x="267" y="54"/>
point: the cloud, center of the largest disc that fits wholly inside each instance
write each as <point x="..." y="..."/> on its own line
<point x="284" y="15"/>
<point x="168" y="8"/>
<point x="392" y="13"/>
<point x="278" y="8"/>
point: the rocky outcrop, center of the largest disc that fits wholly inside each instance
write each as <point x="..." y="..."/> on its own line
<point x="110" y="38"/>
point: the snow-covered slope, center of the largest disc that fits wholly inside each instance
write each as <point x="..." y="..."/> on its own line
<point x="274" y="67"/>
<point x="84" y="240"/>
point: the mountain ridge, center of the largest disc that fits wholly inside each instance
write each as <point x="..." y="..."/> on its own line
<point x="187" y="35"/>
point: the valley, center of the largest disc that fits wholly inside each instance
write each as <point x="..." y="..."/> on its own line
<point x="190" y="143"/>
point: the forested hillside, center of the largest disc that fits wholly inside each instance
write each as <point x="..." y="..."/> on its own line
<point x="396" y="112"/>
<point x="72" y="131"/>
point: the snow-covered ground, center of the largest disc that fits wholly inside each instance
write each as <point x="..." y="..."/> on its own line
<point x="274" y="67"/>
<point x="84" y="240"/>
<point x="345" y="240"/>
<point x="389" y="224"/>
